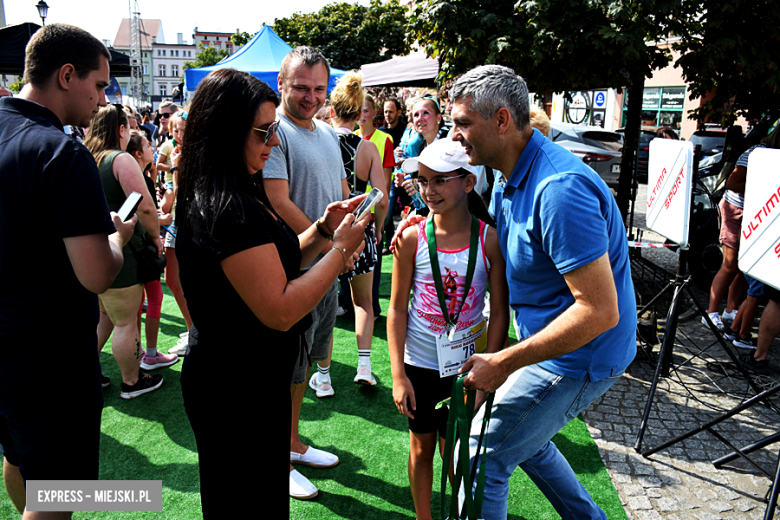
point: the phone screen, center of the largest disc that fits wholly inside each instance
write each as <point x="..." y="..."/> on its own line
<point x="129" y="206"/>
<point x="368" y="203"/>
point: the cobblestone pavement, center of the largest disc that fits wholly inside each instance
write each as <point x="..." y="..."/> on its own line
<point x="680" y="482"/>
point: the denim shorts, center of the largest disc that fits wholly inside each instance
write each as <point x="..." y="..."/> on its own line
<point x="755" y="288"/>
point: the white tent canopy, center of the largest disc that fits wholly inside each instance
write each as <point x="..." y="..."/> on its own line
<point x="406" y="71"/>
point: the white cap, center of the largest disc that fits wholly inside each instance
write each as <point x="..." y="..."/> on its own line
<point x="444" y="155"/>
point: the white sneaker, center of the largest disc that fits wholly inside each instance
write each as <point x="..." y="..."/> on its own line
<point x="180" y="348"/>
<point x="729" y="316"/>
<point x="715" y="318"/>
<point x="341" y="311"/>
<point x="322" y="388"/>
<point x="300" y="487"/>
<point x="364" y="375"/>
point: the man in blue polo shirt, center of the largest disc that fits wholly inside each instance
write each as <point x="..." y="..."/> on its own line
<point x="567" y="265"/>
<point x="59" y="248"/>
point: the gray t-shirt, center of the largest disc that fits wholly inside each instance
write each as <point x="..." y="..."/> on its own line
<point x="311" y="162"/>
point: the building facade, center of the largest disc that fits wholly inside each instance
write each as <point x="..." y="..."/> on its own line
<point x="168" y="67"/>
<point x="151" y="31"/>
<point x="218" y="40"/>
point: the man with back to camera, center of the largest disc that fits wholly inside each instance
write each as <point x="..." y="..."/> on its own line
<point x="76" y="253"/>
<point x="573" y="297"/>
<point x="303" y="175"/>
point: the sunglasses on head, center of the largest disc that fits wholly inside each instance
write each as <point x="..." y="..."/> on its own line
<point x="268" y="133"/>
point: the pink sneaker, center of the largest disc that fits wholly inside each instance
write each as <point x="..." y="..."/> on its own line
<point x="159" y="361"/>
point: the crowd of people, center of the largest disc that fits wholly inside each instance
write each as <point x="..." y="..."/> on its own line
<point x="261" y="220"/>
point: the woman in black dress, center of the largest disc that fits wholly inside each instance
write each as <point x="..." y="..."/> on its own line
<point x="239" y="268"/>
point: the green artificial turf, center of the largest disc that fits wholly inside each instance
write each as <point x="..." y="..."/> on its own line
<point x="149" y="438"/>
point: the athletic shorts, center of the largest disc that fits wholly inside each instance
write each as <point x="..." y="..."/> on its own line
<point x="429" y="390"/>
<point x="318" y="336"/>
<point x="730" y="224"/>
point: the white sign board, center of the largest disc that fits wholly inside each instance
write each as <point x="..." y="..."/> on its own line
<point x="759" y="243"/>
<point x="669" y="189"/>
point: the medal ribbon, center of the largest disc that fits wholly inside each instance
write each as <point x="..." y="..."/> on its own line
<point x="431" y="236"/>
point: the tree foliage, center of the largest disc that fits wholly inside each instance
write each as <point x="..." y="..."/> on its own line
<point x="209" y="55"/>
<point x="556" y="45"/>
<point x="16" y="86"/>
<point x="349" y="35"/>
<point x="730" y="48"/>
<point x="240" y="39"/>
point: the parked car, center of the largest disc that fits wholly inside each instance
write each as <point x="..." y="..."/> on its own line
<point x="598" y="148"/>
<point x="711" y="141"/>
<point x="647" y="134"/>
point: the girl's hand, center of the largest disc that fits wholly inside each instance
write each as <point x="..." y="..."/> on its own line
<point x="403" y="396"/>
<point x="399" y="178"/>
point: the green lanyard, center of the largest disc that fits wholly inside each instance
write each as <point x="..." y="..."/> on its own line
<point x="459" y="422"/>
<point x="436" y="271"/>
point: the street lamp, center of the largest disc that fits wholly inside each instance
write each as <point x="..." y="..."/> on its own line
<point x="43" y="10"/>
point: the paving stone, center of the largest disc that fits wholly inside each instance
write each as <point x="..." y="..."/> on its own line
<point x="633" y="490"/>
<point x="705" y="494"/>
<point x="647" y="481"/>
<point x="727" y="494"/>
<point x="720" y="506"/>
<point x="745" y="505"/>
<point x="643" y="469"/>
<point x="667" y="504"/>
<point x="639" y="503"/>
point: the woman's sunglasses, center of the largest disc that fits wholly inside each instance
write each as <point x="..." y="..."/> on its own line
<point x="268" y="133"/>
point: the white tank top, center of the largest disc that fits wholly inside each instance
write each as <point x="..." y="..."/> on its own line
<point x="425" y="321"/>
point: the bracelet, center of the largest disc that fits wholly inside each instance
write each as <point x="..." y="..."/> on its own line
<point x="343" y="255"/>
<point x="322" y="232"/>
<point x="174" y="169"/>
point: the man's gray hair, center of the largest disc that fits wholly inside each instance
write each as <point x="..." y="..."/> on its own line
<point x="310" y="56"/>
<point x="492" y="87"/>
<point x="171" y="104"/>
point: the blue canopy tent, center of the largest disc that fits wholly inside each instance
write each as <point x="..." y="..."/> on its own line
<point x="261" y="56"/>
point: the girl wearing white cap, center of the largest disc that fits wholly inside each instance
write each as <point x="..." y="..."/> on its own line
<point x="446" y="263"/>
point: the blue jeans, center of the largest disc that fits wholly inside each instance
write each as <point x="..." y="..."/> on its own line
<point x="528" y="410"/>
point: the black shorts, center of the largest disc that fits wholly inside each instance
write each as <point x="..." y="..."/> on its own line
<point x="53" y="435"/>
<point x="365" y="263"/>
<point x="429" y="390"/>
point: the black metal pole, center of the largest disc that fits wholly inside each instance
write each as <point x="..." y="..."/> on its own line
<point x="734" y="411"/>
